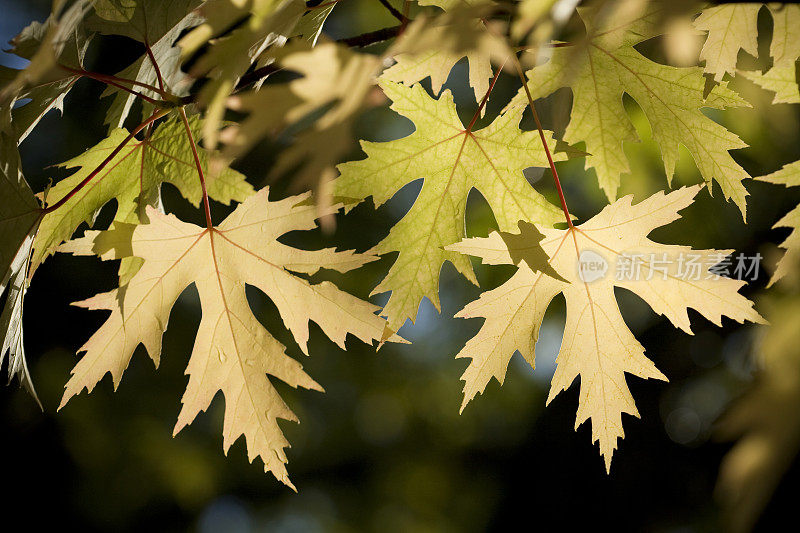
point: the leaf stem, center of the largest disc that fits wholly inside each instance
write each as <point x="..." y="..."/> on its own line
<point x="544" y="141"/>
<point x="206" y="203"/>
<point x="155" y="65"/>
<point x="485" y="98"/>
<point x="106" y="161"/>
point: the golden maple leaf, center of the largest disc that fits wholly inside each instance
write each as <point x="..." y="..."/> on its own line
<point x="594" y="258"/>
<point x="233" y="351"/>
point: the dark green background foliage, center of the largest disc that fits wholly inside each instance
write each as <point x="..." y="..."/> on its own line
<point x="385" y="448"/>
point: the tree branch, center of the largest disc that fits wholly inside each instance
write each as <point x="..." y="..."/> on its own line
<point x="395" y="13"/>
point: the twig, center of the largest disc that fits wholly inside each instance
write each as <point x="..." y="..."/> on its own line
<point x="395" y="13"/>
<point x="406" y="8"/>
<point x="373" y="37"/>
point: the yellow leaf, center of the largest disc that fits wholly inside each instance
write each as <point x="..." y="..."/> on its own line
<point x="233" y="352"/>
<point x="610" y="250"/>
<point x="334" y="79"/>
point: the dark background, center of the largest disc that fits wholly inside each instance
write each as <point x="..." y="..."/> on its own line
<point x="385" y="448"/>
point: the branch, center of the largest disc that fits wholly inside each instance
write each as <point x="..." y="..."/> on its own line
<point x="395" y="13"/>
<point x="373" y="37"/>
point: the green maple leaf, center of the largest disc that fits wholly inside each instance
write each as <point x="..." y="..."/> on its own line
<point x="432" y="47"/>
<point x="309" y="27"/>
<point x="606" y="66"/>
<point x="133" y="177"/>
<point x="19" y="218"/>
<point x="452" y="159"/>
<point x="221" y="15"/>
<point x="159" y="24"/>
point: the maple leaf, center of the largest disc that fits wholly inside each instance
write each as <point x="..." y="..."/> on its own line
<point x="133" y="177"/>
<point x="344" y="82"/>
<point x="42" y="85"/>
<point x="781" y="78"/>
<point x="309" y="27"/>
<point x="789" y="176"/>
<point x="452" y="159"/>
<point x="233" y="351"/>
<point x="606" y="66"/>
<point x="219" y="16"/>
<point x="19" y="217"/>
<point x="730" y="28"/>
<point x="432" y="47"/>
<point x="597" y="344"/>
<point x="231" y="56"/>
<point x="158" y="25"/>
<point x="339" y="91"/>
<point x="531" y="13"/>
